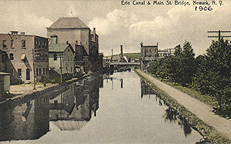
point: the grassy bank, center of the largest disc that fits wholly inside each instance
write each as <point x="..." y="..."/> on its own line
<point x="205" y="98"/>
<point x="193" y="120"/>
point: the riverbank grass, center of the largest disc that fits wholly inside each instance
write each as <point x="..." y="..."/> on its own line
<point x="207" y="99"/>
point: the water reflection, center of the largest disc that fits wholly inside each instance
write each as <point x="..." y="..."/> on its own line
<point x="70" y="110"/>
<point x="124" y="116"/>
<point x="107" y="77"/>
<point x="145" y="89"/>
<point x="29" y="120"/>
<point x="170" y="114"/>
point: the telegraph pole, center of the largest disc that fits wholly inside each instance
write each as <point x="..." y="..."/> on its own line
<point x="61" y="74"/>
<point x="219" y="34"/>
<point x="33" y="52"/>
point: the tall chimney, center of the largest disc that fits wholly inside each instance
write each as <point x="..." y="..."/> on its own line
<point x="121" y="56"/>
<point x="94" y="32"/>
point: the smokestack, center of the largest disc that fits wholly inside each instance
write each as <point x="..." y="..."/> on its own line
<point x="121" y="57"/>
<point x="94" y="32"/>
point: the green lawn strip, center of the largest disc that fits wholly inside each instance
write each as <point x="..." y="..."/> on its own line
<point x="207" y="99"/>
<point x="195" y="122"/>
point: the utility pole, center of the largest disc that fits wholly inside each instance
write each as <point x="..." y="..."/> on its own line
<point x="33" y="52"/>
<point x="61" y="74"/>
<point x="111" y="55"/>
<point x="219" y="34"/>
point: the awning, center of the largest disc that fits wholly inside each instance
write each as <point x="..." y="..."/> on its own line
<point x="23" y="57"/>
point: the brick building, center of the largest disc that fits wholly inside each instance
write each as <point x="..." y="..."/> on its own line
<point x="148" y="55"/>
<point x="26" y="56"/>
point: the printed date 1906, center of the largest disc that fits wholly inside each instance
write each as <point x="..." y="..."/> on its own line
<point x="203" y="8"/>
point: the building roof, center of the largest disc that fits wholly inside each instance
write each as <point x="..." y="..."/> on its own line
<point x="21" y="35"/>
<point x="3" y="73"/>
<point x="82" y="50"/>
<point x="115" y="58"/>
<point x="107" y="57"/>
<point x="150" y="46"/>
<point x="166" y="50"/>
<point x="59" y="47"/>
<point x="70" y="124"/>
<point x="68" y="22"/>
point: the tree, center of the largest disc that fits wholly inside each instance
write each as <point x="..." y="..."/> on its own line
<point x="187" y="64"/>
<point x="219" y="63"/>
<point x="202" y="76"/>
<point x="213" y="73"/>
<point x="178" y="50"/>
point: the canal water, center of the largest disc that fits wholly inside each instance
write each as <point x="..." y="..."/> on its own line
<point x="119" y="108"/>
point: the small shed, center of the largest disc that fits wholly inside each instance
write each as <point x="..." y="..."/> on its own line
<point x="4" y="84"/>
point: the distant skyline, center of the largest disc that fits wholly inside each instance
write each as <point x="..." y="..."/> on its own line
<point x="117" y="24"/>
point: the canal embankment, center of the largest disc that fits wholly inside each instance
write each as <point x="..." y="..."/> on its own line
<point x="27" y="92"/>
<point x="199" y="115"/>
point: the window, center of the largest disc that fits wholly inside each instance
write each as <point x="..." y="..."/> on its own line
<point x="12" y="44"/>
<point x="36" y="71"/>
<point x="54" y="39"/>
<point x="23" y="44"/>
<point x="20" y="72"/>
<point x="4" y="43"/>
<point x="43" y="56"/>
<point x="71" y="69"/>
<point x="55" y="57"/>
<point x="11" y="56"/>
<point x="39" y="71"/>
<point x="36" y="57"/>
<point x="43" y="71"/>
<point x="27" y="74"/>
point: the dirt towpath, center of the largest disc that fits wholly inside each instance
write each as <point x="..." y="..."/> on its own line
<point x="203" y="111"/>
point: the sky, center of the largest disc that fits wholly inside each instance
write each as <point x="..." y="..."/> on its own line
<point x="117" y="24"/>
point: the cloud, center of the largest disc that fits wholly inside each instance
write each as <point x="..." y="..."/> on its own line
<point x="29" y="23"/>
<point x="116" y="24"/>
<point x="115" y="21"/>
<point x="12" y="18"/>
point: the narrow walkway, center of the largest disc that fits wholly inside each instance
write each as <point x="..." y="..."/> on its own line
<point x="203" y="111"/>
